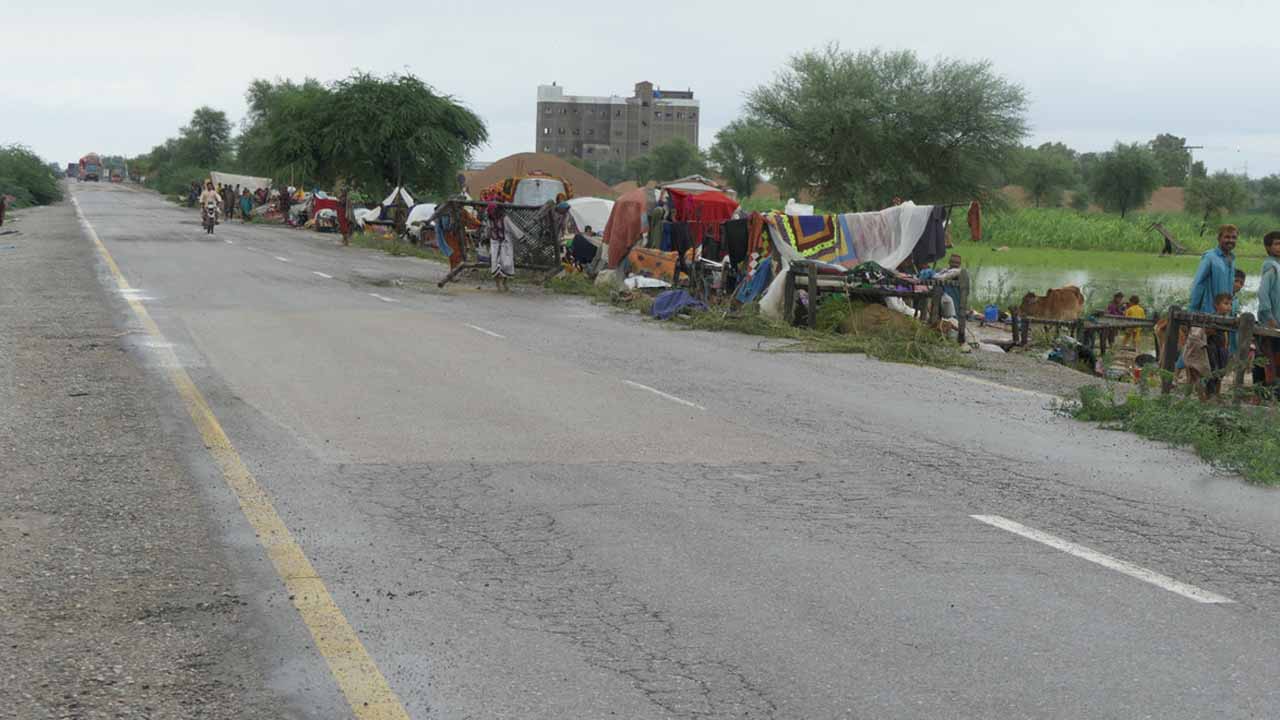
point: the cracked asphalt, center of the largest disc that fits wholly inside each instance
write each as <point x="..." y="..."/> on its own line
<point x="517" y="526"/>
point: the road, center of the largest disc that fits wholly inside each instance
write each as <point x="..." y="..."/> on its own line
<point x="527" y="506"/>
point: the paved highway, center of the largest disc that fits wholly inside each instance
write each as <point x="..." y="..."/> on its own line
<point x="526" y="506"/>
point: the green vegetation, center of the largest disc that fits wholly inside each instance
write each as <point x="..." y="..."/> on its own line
<point x="1125" y="178"/>
<point x="1070" y="229"/>
<point x="391" y="246"/>
<point x="738" y="155"/>
<point x="1242" y="439"/>
<point x="1046" y="172"/>
<point x="315" y="134"/>
<point x="27" y="178"/>
<point x="1213" y="196"/>
<point x="861" y="128"/>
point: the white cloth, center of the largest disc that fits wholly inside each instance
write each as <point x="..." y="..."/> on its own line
<point x="502" y="258"/>
<point x="590" y="212"/>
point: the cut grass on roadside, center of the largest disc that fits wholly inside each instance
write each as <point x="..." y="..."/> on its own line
<point x="398" y="249"/>
<point x="1243" y="439"/>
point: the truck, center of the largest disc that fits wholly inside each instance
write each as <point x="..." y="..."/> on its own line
<point x="91" y="167"/>
<point x="73" y="170"/>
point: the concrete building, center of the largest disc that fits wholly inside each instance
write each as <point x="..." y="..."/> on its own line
<point x="600" y="128"/>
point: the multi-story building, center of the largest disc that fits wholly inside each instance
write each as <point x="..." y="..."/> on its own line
<point x="600" y="128"/>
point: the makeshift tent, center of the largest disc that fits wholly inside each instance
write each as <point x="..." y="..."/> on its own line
<point x="628" y="220"/>
<point x="698" y="184"/>
<point x="590" y="212"/>
<point x="398" y="195"/>
<point x="244" y="181"/>
<point x="528" y="190"/>
<point x="704" y="211"/>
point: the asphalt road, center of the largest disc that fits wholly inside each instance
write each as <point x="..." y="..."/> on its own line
<point x="527" y="506"/>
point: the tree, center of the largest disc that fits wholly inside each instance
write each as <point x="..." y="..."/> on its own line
<point x="27" y="177"/>
<point x="1269" y="194"/>
<point x="1046" y="172"/>
<point x="1198" y="170"/>
<point x="396" y="130"/>
<point x="859" y="129"/>
<point x="738" y="155"/>
<point x="1125" y="178"/>
<point x="1216" y="194"/>
<point x="1174" y="158"/>
<point x="207" y="138"/>
<point x="676" y="158"/>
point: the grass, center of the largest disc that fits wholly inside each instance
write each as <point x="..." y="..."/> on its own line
<point x="390" y="246"/>
<point x="1244" y="439"/>
<point x="1073" y="230"/>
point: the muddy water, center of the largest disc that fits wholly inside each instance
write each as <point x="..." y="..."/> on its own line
<point x="1159" y="290"/>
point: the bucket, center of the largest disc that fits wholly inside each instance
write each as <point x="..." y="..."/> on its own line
<point x="991" y="314"/>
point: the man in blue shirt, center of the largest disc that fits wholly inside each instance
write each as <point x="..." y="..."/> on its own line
<point x="1269" y="305"/>
<point x="1215" y="277"/>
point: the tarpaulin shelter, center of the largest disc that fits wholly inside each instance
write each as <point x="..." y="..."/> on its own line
<point x="528" y="190"/>
<point x="628" y="221"/>
<point x="253" y="184"/>
<point x="703" y="211"/>
<point x="398" y="196"/>
<point x="590" y="212"/>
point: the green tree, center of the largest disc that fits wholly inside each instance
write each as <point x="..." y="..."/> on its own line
<point x="738" y="156"/>
<point x="384" y="131"/>
<point x="1125" y="178"/>
<point x="1046" y="172"/>
<point x="640" y="169"/>
<point x="1269" y="194"/>
<point x="860" y="128"/>
<point x="608" y="170"/>
<point x="1174" y="158"/>
<point x="283" y="133"/>
<point x="1219" y="193"/>
<point x="1198" y="170"/>
<point x="676" y="158"/>
<point x="206" y="139"/>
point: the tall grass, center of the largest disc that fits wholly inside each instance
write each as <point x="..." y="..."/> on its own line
<point x="1070" y="229"/>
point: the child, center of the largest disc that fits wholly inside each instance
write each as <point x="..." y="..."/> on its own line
<point x="1236" y="287"/>
<point x="1204" y="353"/>
<point x="1134" y="311"/>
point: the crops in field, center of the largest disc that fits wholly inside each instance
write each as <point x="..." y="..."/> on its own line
<point x="1073" y="230"/>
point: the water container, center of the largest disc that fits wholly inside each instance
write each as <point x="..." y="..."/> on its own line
<point x="991" y="313"/>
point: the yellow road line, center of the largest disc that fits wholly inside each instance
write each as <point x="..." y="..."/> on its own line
<point x="353" y="669"/>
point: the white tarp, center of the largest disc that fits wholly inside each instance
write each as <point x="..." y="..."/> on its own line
<point x="419" y="214"/>
<point x="404" y="195"/>
<point x="244" y="181"/>
<point x="590" y="212"/>
<point x="692" y="187"/>
<point x="536" y="191"/>
<point x="795" y="208"/>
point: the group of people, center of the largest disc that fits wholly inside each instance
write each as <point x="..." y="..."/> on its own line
<point x="1131" y="309"/>
<point x="1215" y="290"/>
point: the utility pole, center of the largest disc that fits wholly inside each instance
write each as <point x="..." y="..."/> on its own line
<point x="1190" y="159"/>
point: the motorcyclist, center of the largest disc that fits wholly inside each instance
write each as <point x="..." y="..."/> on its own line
<point x="210" y="196"/>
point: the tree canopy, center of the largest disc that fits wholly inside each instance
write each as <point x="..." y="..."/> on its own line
<point x="1045" y="172"/>
<point x="860" y="128"/>
<point x="1124" y="179"/>
<point x="1220" y="192"/>
<point x="738" y="155"/>
<point x="27" y="178"/>
<point x="1173" y="158"/>
<point x="207" y="138"/>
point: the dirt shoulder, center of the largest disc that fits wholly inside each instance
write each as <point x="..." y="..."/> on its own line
<point x="116" y="596"/>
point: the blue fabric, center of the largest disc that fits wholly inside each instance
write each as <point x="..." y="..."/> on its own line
<point x="440" y="228"/>
<point x="671" y="302"/>
<point x="758" y="283"/>
<point x="1269" y="292"/>
<point x="666" y="237"/>
<point x="1215" y="276"/>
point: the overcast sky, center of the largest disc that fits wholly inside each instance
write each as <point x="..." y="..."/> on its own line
<point x="119" y="77"/>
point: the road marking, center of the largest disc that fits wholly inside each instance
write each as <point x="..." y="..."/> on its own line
<point x="323" y="275"/>
<point x="383" y="298"/>
<point x="659" y="393"/>
<point x="354" y="671"/>
<point x="282" y="259"/>
<point x="490" y="333"/>
<point x="1122" y="566"/>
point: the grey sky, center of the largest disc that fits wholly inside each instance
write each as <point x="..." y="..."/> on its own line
<point x="120" y="77"/>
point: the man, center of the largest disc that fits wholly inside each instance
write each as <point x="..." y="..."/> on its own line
<point x="1214" y="278"/>
<point x="344" y="216"/>
<point x="3" y="203"/>
<point x="1269" y="306"/>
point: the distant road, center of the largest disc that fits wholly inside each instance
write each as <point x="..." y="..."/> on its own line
<point x="528" y="506"/>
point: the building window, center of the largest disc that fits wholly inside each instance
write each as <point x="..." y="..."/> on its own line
<point x="679" y="116"/>
<point x="644" y="103"/>
<point x="546" y="131"/>
<point x="644" y="143"/>
<point x="617" y="113"/>
<point x="577" y="131"/>
<point x="564" y="111"/>
<point x="657" y="114"/>
<point x="591" y="150"/>
<point x="560" y="130"/>
<point x="668" y="116"/>
<point x="546" y="148"/>
<point x="590" y="132"/>
<point x="644" y="123"/>
<point x="693" y="116"/>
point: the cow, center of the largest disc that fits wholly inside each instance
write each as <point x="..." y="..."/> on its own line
<point x="1064" y="303"/>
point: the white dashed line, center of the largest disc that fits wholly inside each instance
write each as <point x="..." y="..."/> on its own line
<point x="490" y="333"/>
<point x="659" y="393"/>
<point x="323" y="275"/>
<point x="1121" y="566"/>
<point x="383" y="298"/>
<point x="282" y="259"/>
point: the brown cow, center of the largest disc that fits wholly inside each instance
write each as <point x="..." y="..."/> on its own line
<point x="1064" y="303"/>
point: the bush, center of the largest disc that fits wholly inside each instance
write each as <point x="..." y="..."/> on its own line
<point x="26" y="177"/>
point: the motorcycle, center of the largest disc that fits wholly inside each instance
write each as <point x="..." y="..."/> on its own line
<point x="210" y="216"/>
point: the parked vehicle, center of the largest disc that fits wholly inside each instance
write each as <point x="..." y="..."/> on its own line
<point x="73" y="170"/>
<point x="210" y="216"/>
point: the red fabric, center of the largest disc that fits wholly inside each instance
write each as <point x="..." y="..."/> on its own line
<point x="319" y="204"/>
<point x="626" y="224"/>
<point x="975" y="221"/>
<point x="703" y="211"/>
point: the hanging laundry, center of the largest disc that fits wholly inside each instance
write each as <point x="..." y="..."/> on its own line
<point x="735" y="240"/>
<point x="758" y="283"/>
<point x="933" y="241"/>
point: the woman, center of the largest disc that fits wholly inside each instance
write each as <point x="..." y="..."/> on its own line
<point x="246" y="205"/>
<point x="502" y="259"/>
